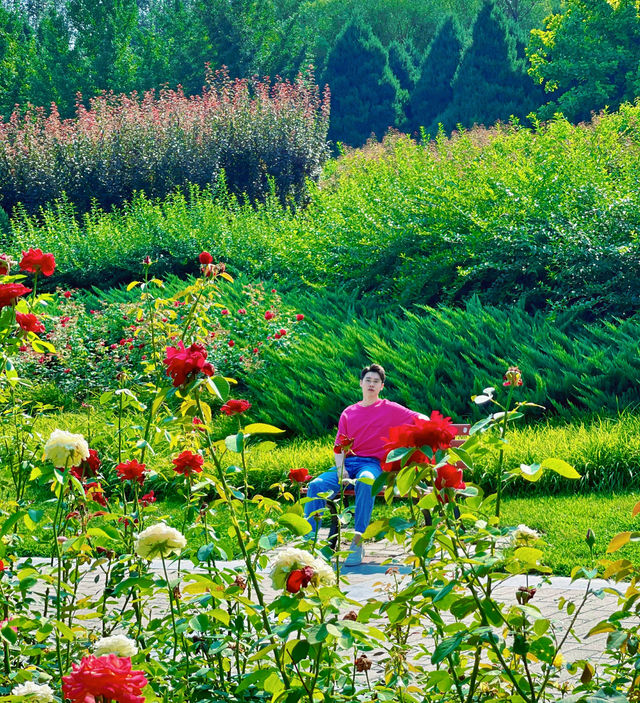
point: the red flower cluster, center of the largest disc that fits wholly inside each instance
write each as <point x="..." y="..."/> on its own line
<point x="35" y="260"/>
<point x="131" y="471"/>
<point x="110" y="678"/>
<point x="300" y="475"/>
<point x="184" y="364"/>
<point x="448" y="476"/>
<point x="205" y="258"/>
<point x="94" y="492"/>
<point x="147" y="499"/>
<point x="269" y="315"/>
<point x="299" y="317"/>
<point x="299" y="578"/>
<point x="437" y="432"/>
<point x="235" y="407"/>
<point x="188" y="463"/>
<point x="88" y="467"/>
<point x="29" y="322"/>
<point x="9" y="292"/>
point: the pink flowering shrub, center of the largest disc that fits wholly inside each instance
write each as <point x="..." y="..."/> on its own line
<point x="253" y="130"/>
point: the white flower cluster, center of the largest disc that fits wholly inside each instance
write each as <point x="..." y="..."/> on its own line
<point x="159" y="541"/>
<point x="64" y="449"/>
<point x="116" y="644"/>
<point x="524" y="536"/>
<point x="290" y="559"/>
<point x="36" y="692"/>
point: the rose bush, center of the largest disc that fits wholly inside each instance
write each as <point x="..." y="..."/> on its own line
<point x="203" y="628"/>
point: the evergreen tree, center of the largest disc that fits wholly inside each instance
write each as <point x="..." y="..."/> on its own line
<point x="433" y="93"/>
<point x="402" y="66"/>
<point x="490" y="84"/>
<point x="364" y="91"/>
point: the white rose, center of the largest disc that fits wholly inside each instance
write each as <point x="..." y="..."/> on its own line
<point x="65" y="449"/>
<point x="116" y="644"/>
<point x="39" y="693"/>
<point x="159" y="541"/>
<point x="524" y="535"/>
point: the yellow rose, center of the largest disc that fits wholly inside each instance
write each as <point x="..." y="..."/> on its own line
<point x="64" y="449"/>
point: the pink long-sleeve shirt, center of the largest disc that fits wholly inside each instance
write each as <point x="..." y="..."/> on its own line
<point x="367" y="426"/>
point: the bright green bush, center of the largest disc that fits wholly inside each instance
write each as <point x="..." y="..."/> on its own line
<point x="548" y="215"/>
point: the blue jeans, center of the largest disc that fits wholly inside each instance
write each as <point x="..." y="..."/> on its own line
<point x="357" y="467"/>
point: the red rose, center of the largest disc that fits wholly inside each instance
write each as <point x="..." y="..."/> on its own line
<point x="147" y="499"/>
<point x="94" y="492"/>
<point x="299" y="317"/>
<point x="235" y="407"/>
<point x="10" y="291"/>
<point x="109" y="677"/>
<point x="183" y="365"/>
<point x="343" y="444"/>
<point x="448" y="476"/>
<point x="242" y="311"/>
<point x="188" y="463"/>
<point x="88" y="467"/>
<point x="205" y="258"/>
<point x="231" y="343"/>
<point x="299" y="578"/>
<point x="67" y="294"/>
<point x="224" y="311"/>
<point x="34" y="260"/>
<point x="5" y="264"/>
<point x="29" y="322"/>
<point x="437" y="432"/>
<point x="282" y="332"/>
<point x="131" y="471"/>
<point x="300" y="475"/>
<point x="198" y="424"/>
<point x="269" y="315"/>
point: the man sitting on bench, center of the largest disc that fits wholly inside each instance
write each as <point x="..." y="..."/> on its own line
<point x="359" y="452"/>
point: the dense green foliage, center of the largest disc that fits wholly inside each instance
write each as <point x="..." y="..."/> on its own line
<point x="546" y="216"/>
<point x="432" y="93"/>
<point x="53" y="49"/>
<point x="588" y="57"/>
<point x="438" y="357"/>
<point x="490" y="84"/>
<point x="365" y="91"/>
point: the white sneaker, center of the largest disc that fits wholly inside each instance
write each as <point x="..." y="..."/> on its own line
<point x="355" y="556"/>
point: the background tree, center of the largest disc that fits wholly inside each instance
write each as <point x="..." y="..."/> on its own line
<point x="589" y="56"/>
<point x="364" y="91"/>
<point x="433" y="93"/>
<point x="490" y="83"/>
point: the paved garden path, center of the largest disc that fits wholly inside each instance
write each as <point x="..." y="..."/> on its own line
<point x="369" y="580"/>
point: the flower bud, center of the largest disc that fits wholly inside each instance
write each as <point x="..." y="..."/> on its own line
<point x="513" y="377"/>
<point x="363" y="663"/>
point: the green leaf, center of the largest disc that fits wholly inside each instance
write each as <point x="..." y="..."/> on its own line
<point x="560" y="467"/>
<point x="532" y="472"/>
<point x="606" y="695"/>
<point x="295" y="523"/>
<point x="262" y="428"/>
<point x="446" y="647"/>
<point x="8" y="634"/>
<point x="219" y="386"/>
<point x="235" y="442"/>
<point x="9" y="523"/>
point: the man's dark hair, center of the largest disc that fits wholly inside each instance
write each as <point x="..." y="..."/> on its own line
<point x="373" y="368"/>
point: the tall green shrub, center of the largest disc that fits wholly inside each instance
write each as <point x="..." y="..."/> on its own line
<point x="490" y="84"/>
<point x="432" y="92"/>
<point x="262" y="136"/>
<point x="364" y="91"/>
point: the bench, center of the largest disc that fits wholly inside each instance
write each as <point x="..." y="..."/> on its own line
<point x="462" y="433"/>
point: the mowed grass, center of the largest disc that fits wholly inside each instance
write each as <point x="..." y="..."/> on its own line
<point x="563" y="520"/>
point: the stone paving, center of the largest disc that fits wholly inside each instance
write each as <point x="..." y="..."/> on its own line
<point x="369" y="580"/>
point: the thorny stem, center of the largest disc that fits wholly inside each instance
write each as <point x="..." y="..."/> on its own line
<point x="241" y="544"/>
